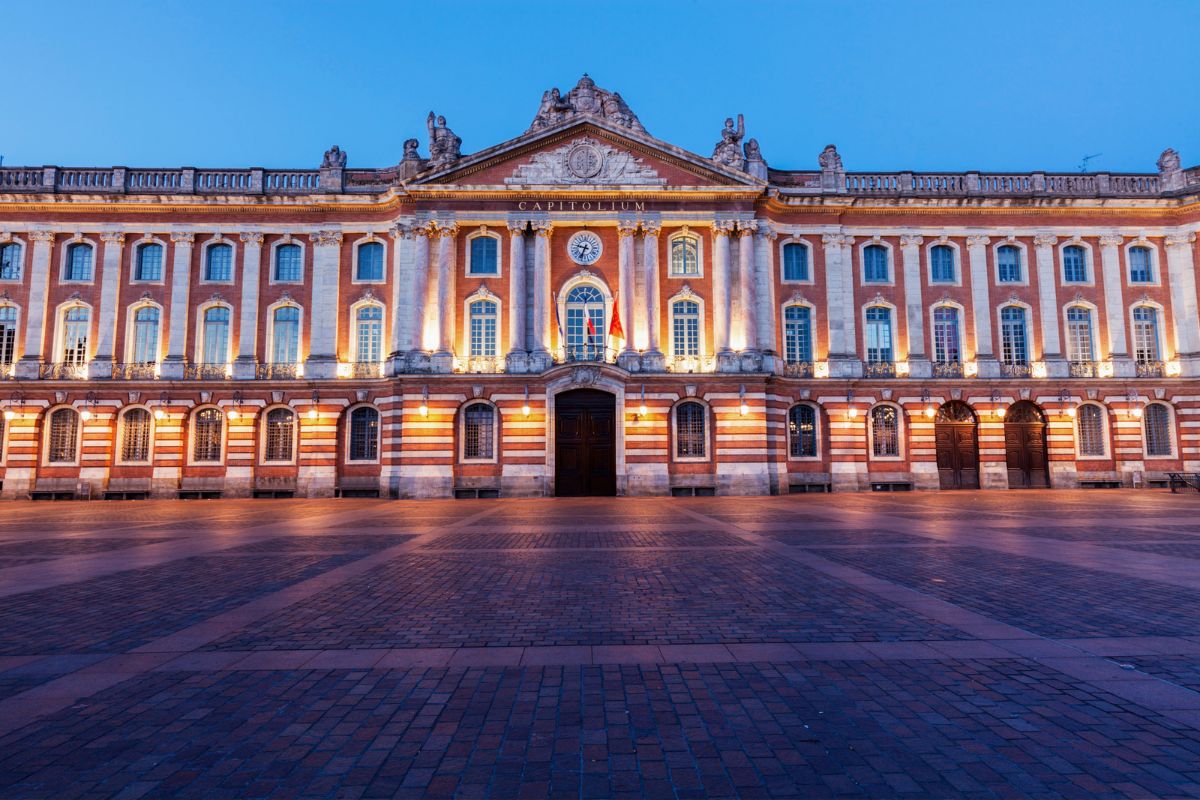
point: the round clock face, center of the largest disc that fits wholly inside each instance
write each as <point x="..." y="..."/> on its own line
<point x="584" y="248"/>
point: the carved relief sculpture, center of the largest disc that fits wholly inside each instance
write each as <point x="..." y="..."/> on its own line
<point x="585" y="98"/>
<point x="585" y="160"/>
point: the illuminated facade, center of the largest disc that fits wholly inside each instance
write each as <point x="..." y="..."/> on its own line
<point x="588" y="309"/>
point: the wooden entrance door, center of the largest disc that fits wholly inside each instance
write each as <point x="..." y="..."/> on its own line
<point x="1025" y="447"/>
<point x="585" y="446"/>
<point x="957" y="446"/>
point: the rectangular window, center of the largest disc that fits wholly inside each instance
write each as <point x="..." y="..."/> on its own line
<point x="483" y="329"/>
<point x="685" y="330"/>
<point x="1145" y="335"/>
<point x="1074" y="264"/>
<point x="1008" y="264"/>
<point x="797" y="332"/>
<point x="1141" y="269"/>
<point x="1015" y="350"/>
<point x="1079" y="335"/>
<point x="795" y="262"/>
<point x="484" y="259"/>
<point x="10" y="262"/>
<point x="8" y="334"/>
<point x="945" y="336"/>
<point x="879" y="335"/>
<point x="149" y="262"/>
<point x="941" y="264"/>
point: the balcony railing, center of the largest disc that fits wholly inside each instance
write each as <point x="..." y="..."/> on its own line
<point x="798" y="369"/>
<point x="7" y="370"/>
<point x="364" y="369"/>
<point x="481" y="364"/>
<point x="1150" y="369"/>
<point x="63" y="372"/>
<point x="587" y="352"/>
<point x="1082" y="369"/>
<point x="278" y="371"/>
<point x="879" y="369"/>
<point x="1016" y="370"/>
<point x="135" y="372"/>
<point x="947" y="369"/>
<point x="686" y="364"/>
<point x="206" y="372"/>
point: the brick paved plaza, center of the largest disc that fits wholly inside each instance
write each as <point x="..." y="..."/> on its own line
<point x="937" y="645"/>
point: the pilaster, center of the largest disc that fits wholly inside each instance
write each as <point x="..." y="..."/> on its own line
<point x="518" y="353"/>
<point x="321" y="363"/>
<point x="443" y="359"/>
<point x="1048" y="303"/>
<point x="540" y="358"/>
<point x="764" y="291"/>
<point x="1181" y="270"/>
<point x="722" y="230"/>
<point x="181" y="278"/>
<point x="101" y="365"/>
<point x="35" y="319"/>
<point x="981" y="306"/>
<point x="746" y="284"/>
<point x="247" y="357"/>
<point x="1114" y="303"/>
<point x="402" y="307"/>
<point x="914" y="305"/>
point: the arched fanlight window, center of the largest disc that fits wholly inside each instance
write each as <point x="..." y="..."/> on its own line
<point x="479" y="432"/>
<point x="802" y="431"/>
<point x="135" y="435"/>
<point x="691" y="437"/>
<point x="279" y="435"/>
<point x="685" y="255"/>
<point x="364" y="434"/>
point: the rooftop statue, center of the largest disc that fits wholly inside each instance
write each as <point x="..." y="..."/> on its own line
<point x="729" y="150"/>
<point x="585" y="98"/>
<point x="444" y="146"/>
<point x="334" y="158"/>
<point x="829" y="160"/>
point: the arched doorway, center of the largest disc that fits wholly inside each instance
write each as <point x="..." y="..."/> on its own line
<point x="1025" y="446"/>
<point x="585" y="446"/>
<point x="957" y="446"/>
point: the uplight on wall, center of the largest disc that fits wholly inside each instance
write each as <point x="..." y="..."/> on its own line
<point x="344" y="370"/>
<point x="9" y="414"/>
<point x="742" y="407"/>
<point x="525" y="408"/>
<point x="1136" y="412"/>
<point x="1173" y="369"/>
<point x="930" y="411"/>
<point x="821" y="369"/>
<point x="159" y="413"/>
<point x="1071" y="412"/>
<point x="1105" y="369"/>
<point x="85" y="414"/>
<point x="1000" y="411"/>
<point x="424" y="408"/>
<point x="901" y="368"/>
<point x="970" y="369"/>
<point x="1039" y="369"/>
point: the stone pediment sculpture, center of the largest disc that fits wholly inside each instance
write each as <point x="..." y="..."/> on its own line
<point x="585" y="160"/>
<point x="585" y="98"/>
<point x="444" y="146"/>
<point x="728" y="151"/>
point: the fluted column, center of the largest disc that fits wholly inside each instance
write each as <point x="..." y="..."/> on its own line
<point x="764" y="290"/>
<point x="35" y="312"/>
<point x="110" y="285"/>
<point x="653" y="357"/>
<point x="422" y="321"/>
<point x="325" y="306"/>
<point x="1052" y="353"/>
<point x="1114" y="297"/>
<point x="749" y="317"/>
<point x="626" y="263"/>
<point x="721" y="321"/>
<point x="981" y="306"/>
<point x="247" y="357"/>
<point x="443" y="359"/>
<point x="542" y="308"/>
<point x="1182" y="272"/>
<point x="181" y="280"/>
<point x="401" y="307"/>
<point x="839" y="285"/>
<point x="914" y="306"/>
<point x="518" y="352"/>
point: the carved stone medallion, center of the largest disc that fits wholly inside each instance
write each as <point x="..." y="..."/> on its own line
<point x="585" y="161"/>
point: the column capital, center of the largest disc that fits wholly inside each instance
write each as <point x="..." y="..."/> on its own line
<point x="517" y="226"/>
<point x="766" y="231"/>
<point x="252" y="237"/>
<point x="912" y="240"/>
<point x="747" y="227"/>
<point x="183" y="237"/>
<point x="626" y="230"/>
<point x="1045" y="240"/>
<point x="651" y="228"/>
<point x="978" y="241"/>
<point x="113" y="237"/>
<point x="326" y="238"/>
<point x="1111" y="239"/>
<point x="41" y="236"/>
<point x="542" y="227"/>
<point x="447" y="231"/>
<point x="399" y="231"/>
<point x="1179" y="239"/>
<point x="832" y="239"/>
<point x="723" y="227"/>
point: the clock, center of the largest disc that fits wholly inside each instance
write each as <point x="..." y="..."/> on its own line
<point x="584" y="248"/>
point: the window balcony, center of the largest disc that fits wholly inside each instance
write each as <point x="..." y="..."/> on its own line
<point x="686" y="364"/>
<point x="205" y="372"/>
<point x="272" y="372"/>
<point x="485" y="365"/>
<point x="360" y="369"/>
<point x="135" y="372"/>
<point x="879" y="369"/>
<point x="1082" y="369"/>
<point x="8" y="370"/>
<point x="948" y="369"/>
<point x="798" y="369"/>
<point x="587" y="352"/>
<point x="1151" y="369"/>
<point x="1016" y="370"/>
<point x="61" y="371"/>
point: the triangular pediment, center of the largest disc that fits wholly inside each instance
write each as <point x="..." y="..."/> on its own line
<point x="585" y="151"/>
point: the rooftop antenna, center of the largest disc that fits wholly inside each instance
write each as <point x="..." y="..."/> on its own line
<point x="1083" y="165"/>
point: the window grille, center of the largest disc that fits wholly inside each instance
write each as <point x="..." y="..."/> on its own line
<point x="64" y="436"/>
<point x="206" y="435"/>
<point x="135" y="435"/>
<point x="1156" y="420"/>
<point x="281" y="426"/>
<point x="1090" y="421"/>
<point x="885" y="432"/>
<point x="479" y="431"/>
<point x="802" y="431"/>
<point x="364" y="434"/>
<point x="690" y="439"/>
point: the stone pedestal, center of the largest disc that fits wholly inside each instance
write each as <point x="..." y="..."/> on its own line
<point x="320" y="368"/>
<point x="517" y="363"/>
<point x="920" y="368"/>
<point x="171" y="369"/>
<point x="100" y="369"/>
<point x="629" y="361"/>
<point x="245" y="369"/>
<point x="441" y="362"/>
<point x="728" y="361"/>
<point x="653" y="361"/>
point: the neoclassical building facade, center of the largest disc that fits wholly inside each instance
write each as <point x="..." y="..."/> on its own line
<point x="586" y="309"/>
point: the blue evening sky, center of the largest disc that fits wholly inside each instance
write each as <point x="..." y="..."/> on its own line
<point x="934" y="85"/>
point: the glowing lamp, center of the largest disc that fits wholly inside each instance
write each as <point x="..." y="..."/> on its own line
<point x="821" y="369"/>
<point x="1173" y="369"/>
<point x="85" y="414"/>
<point x="1000" y="412"/>
<point x="159" y="413"/>
<point x="312" y="413"/>
<point x="852" y="413"/>
<point x="930" y="411"/>
<point x="642" y="410"/>
<point x="1039" y="369"/>
<point x="525" y="410"/>
<point x="233" y="413"/>
<point x="1071" y="412"/>
<point x="901" y="368"/>
<point x="1105" y="369"/>
<point x="745" y="409"/>
<point x="970" y="369"/>
<point x="424" y="410"/>
<point x="1136" y="412"/>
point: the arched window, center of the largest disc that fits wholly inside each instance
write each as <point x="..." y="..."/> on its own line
<point x="1141" y="265"/>
<point x="1089" y="418"/>
<point x="63" y="442"/>
<point x="148" y="262"/>
<point x="875" y="264"/>
<point x="207" y="429"/>
<point x="946" y="343"/>
<point x="1079" y="334"/>
<point x="797" y="334"/>
<point x="479" y="432"/>
<point x="145" y="335"/>
<point x="885" y="432"/>
<point x="685" y="328"/>
<point x="8" y="335"/>
<point x="1074" y="264"/>
<point x="483" y="328"/>
<point x="1156" y="422"/>
<point x="691" y="440"/>
<point x="368" y="334"/>
<point x="370" y="262"/>
<point x="285" y="335"/>
<point x="879" y="335"/>
<point x="364" y="434"/>
<point x="685" y="256"/>
<point x="585" y="324"/>
<point x="218" y="263"/>
<point x="941" y="264"/>
<point x="79" y="262"/>
<point x="279" y="435"/>
<point x="77" y="324"/>
<point x="484" y="252"/>
<point x="289" y="265"/>
<point x="135" y="435"/>
<point x="1145" y="335"/>
<point x="1014" y="345"/>
<point x="215" y="347"/>
<point x="10" y="262"/>
<point x="1008" y="264"/>
<point x="795" y="262"/>
<point x="802" y="431"/>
